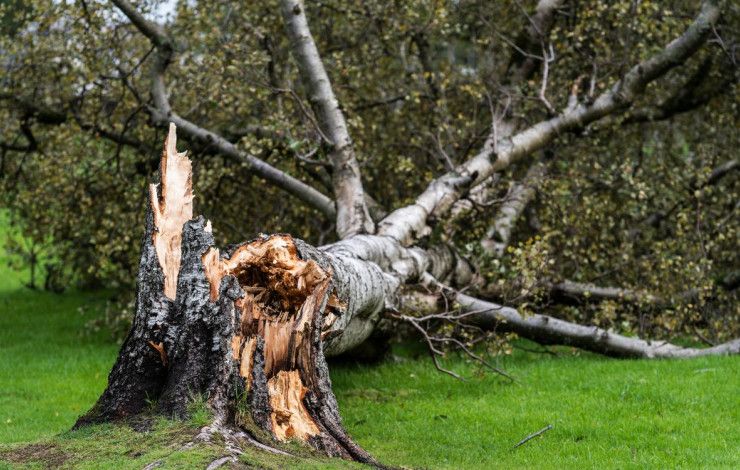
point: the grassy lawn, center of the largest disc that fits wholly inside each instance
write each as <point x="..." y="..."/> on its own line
<point x="605" y="413"/>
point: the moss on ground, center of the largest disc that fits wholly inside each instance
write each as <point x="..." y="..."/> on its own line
<point x="165" y="444"/>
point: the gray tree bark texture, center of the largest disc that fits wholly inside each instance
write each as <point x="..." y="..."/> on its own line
<point x="353" y="216"/>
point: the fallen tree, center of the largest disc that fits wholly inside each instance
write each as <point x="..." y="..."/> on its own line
<point x="249" y="327"/>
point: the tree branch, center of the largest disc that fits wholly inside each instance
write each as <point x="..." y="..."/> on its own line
<point x="43" y="114"/>
<point x="162" y="115"/>
<point x="522" y="66"/>
<point x="549" y="330"/>
<point x="409" y="223"/>
<point x="353" y="216"/>
<point x="686" y="97"/>
<point x="274" y="176"/>
<point x="156" y="33"/>
<point x="524" y="61"/>
<point x="498" y="236"/>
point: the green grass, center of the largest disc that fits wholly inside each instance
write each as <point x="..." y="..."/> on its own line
<point x="605" y="413"/>
<point x="50" y="369"/>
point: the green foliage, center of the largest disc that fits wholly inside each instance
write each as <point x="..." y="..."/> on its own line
<point x="418" y="81"/>
<point x="599" y="229"/>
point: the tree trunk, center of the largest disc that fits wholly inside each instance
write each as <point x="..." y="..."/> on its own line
<point x="246" y="329"/>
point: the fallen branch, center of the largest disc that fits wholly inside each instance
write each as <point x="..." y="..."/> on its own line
<point x="533" y="435"/>
<point x="544" y="329"/>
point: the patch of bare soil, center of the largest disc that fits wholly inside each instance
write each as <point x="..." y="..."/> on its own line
<point x="48" y="454"/>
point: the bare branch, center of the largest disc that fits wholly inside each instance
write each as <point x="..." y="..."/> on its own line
<point x="151" y="30"/>
<point x="523" y="64"/>
<point x="533" y="435"/>
<point x="353" y="216"/>
<point x="547" y="58"/>
<point x="456" y="319"/>
<point x="549" y="330"/>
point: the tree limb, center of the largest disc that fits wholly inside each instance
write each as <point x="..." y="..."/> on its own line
<point x="686" y="97"/>
<point x="520" y="195"/>
<point x="522" y="66"/>
<point x="549" y="330"/>
<point x="46" y="115"/>
<point x="524" y="61"/>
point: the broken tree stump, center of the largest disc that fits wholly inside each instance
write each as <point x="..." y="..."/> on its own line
<point x="246" y="329"/>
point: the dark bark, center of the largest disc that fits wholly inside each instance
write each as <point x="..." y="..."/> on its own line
<point x="245" y="329"/>
<point x="197" y="358"/>
<point x="139" y="372"/>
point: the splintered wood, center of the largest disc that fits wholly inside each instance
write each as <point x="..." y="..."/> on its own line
<point x="171" y="209"/>
<point x="283" y="296"/>
<point x="290" y="418"/>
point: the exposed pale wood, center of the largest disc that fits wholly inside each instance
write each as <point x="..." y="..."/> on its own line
<point x="283" y="294"/>
<point x="171" y="209"/>
<point x="290" y="418"/>
<point x="246" y="360"/>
